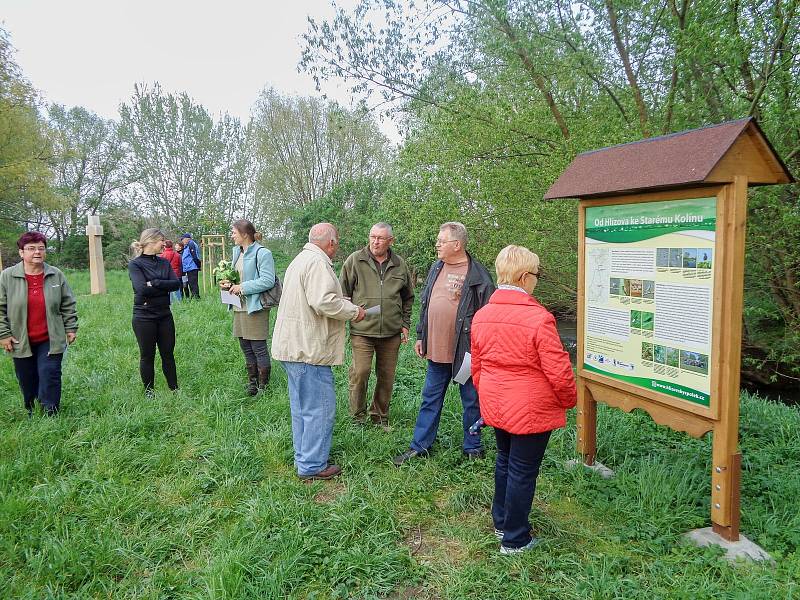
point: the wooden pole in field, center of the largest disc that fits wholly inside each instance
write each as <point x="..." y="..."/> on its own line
<point x="97" y="272"/>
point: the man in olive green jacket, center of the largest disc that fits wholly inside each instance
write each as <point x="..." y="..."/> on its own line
<point x="378" y="279"/>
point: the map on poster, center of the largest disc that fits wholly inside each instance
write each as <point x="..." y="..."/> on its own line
<point x="649" y="283"/>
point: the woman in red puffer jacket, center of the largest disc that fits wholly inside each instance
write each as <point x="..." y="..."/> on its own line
<point x="525" y="386"/>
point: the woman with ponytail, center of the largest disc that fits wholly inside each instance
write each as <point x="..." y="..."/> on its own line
<point x="251" y="322"/>
<point x="153" y="279"/>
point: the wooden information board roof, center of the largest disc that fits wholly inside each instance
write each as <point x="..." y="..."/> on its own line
<point x="706" y="156"/>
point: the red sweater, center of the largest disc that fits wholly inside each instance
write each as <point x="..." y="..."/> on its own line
<point x="519" y="366"/>
<point x="174" y="260"/>
<point x="37" y="313"/>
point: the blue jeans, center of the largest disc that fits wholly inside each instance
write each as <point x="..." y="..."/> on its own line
<point x="312" y="402"/>
<point x="519" y="457"/>
<point x="175" y="296"/>
<point x="39" y="376"/>
<point x="437" y="378"/>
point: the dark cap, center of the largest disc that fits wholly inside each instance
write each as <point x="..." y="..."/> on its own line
<point x="186" y="235"/>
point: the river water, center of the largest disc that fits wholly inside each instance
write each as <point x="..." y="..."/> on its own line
<point x="568" y="330"/>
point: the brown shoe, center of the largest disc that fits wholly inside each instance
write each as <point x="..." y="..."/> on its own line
<point x="263" y="376"/>
<point x="328" y="472"/>
<point x="252" y="379"/>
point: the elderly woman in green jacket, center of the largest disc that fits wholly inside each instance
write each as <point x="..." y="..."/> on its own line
<point x="38" y="319"/>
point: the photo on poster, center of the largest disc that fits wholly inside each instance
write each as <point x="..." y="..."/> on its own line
<point x="636" y="288"/>
<point x="690" y="258"/>
<point x="673" y="357"/>
<point x="704" y="258"/>
<point x="647" y="321"/>
<point x="675" y="259"/>
<point x="647" y="351"/>
<point x="694" y="361"/>
<point x="636" y="319"/>
<point x="616" y="287"/>
<point x="626" y="287"/>
<point x="648" y="289"/>
<point x="662" y="257"/>
<point x="660" y="354"/>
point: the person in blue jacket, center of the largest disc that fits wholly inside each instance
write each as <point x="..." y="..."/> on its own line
<point x="256" y="269"/>
<point x="191" y="263"/>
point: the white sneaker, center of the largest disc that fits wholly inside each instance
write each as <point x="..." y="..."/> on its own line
<point x="525" y="548"/>
<point x="498" y="533"/>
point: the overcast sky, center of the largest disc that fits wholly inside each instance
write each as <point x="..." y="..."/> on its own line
<point x="90" y="53"/>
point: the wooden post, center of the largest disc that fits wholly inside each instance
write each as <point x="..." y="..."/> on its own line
<point x="726" y="461"/>
<point x="97" y="271"/>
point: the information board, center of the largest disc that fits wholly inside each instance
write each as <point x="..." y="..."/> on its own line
<point x="649" y="286"/>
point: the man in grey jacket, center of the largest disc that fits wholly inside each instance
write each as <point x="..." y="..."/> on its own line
<point x="309" y="339"/>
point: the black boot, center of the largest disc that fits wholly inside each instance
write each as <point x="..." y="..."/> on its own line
<point x="263" y="376"/>
<point x="252" y="379"/>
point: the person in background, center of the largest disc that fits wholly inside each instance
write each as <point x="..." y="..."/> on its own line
<point x="456" y="287"/>
<point x="377" y="277"/>
<point x="256" y="269"/>
<point x="525" y="385"/>
<point x="38" y="319"/>
<point x="153" y="279"/>
<point x="183" y="289"/>
<point x="190" y="265"/>
<point x="174" y="259"/>
<point x="308" y="340"/>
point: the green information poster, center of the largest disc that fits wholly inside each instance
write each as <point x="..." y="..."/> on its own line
<point x="649" y="283"/>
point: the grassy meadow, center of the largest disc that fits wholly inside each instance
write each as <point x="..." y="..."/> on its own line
<point x="193" y="494"/>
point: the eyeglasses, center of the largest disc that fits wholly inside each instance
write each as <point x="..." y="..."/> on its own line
<point x="537" y="275"/>
<point x="443" y="242"/>
<point x="35" y="249"/>
<point x="378" y="238"/>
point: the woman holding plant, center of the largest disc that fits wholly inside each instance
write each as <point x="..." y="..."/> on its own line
<point x="253" y="272"/>
<point x="153" y="279"/>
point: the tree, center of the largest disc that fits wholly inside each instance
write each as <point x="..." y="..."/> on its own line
<point x="91" y="167"/>
<point x="187" y="169"/>
<point x="25" y="150"/>
<point x="499" y="95"/>
<point x="305" y="147"/>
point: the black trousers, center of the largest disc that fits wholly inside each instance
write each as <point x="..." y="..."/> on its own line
<point x="519" y="457"/>
<point x="255" y="352"/>
<point x="39" y="376"/>
<point x="191" y="289"/>
<point x="152" y="333"/>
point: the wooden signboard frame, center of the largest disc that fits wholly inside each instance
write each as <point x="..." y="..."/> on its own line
<point x="722" y="415"/>
<point x="210" y="245"/>
<point x="722" y="162"/>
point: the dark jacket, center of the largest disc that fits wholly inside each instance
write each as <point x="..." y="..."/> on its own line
<point x="151" y="302"/>
<point x="394" y="293"/>
<point x="478" y="288"/>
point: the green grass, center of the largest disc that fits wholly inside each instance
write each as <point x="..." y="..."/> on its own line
<point x="194" y="495"/>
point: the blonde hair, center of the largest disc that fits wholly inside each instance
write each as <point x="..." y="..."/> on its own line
<point x="513" y="262"/>
<point x="148" y="236"/>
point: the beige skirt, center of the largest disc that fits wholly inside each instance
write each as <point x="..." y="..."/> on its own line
<point x="253" y="326"/>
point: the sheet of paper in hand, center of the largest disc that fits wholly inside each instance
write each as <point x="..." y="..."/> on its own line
<point x="228" y="298"/>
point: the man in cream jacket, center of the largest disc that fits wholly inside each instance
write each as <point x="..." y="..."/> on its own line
<point x="308" y="340"/>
